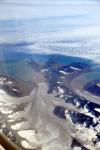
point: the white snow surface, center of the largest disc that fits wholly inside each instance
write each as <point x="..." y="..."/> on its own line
<point x="97" y="109"/>
<point x="63" y="72"/>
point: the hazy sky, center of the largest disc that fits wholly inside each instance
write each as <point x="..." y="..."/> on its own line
<point x="53" y="26"/>
<point x="22" y="9"/>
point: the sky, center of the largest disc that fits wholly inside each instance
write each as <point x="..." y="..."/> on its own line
<point x="70" y="27"/>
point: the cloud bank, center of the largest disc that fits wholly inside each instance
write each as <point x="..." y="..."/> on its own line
<point x="53" y="26"/>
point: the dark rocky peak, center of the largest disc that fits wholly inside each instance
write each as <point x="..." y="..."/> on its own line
<point x="79" y="66"/>
<point x="93" y="87"/>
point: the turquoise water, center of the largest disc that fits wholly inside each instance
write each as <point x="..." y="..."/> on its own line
<point x="15" y="63"/>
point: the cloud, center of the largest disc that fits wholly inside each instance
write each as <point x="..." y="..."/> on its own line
<point x="53" y="26"/>
<point x="21" y="9"/>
